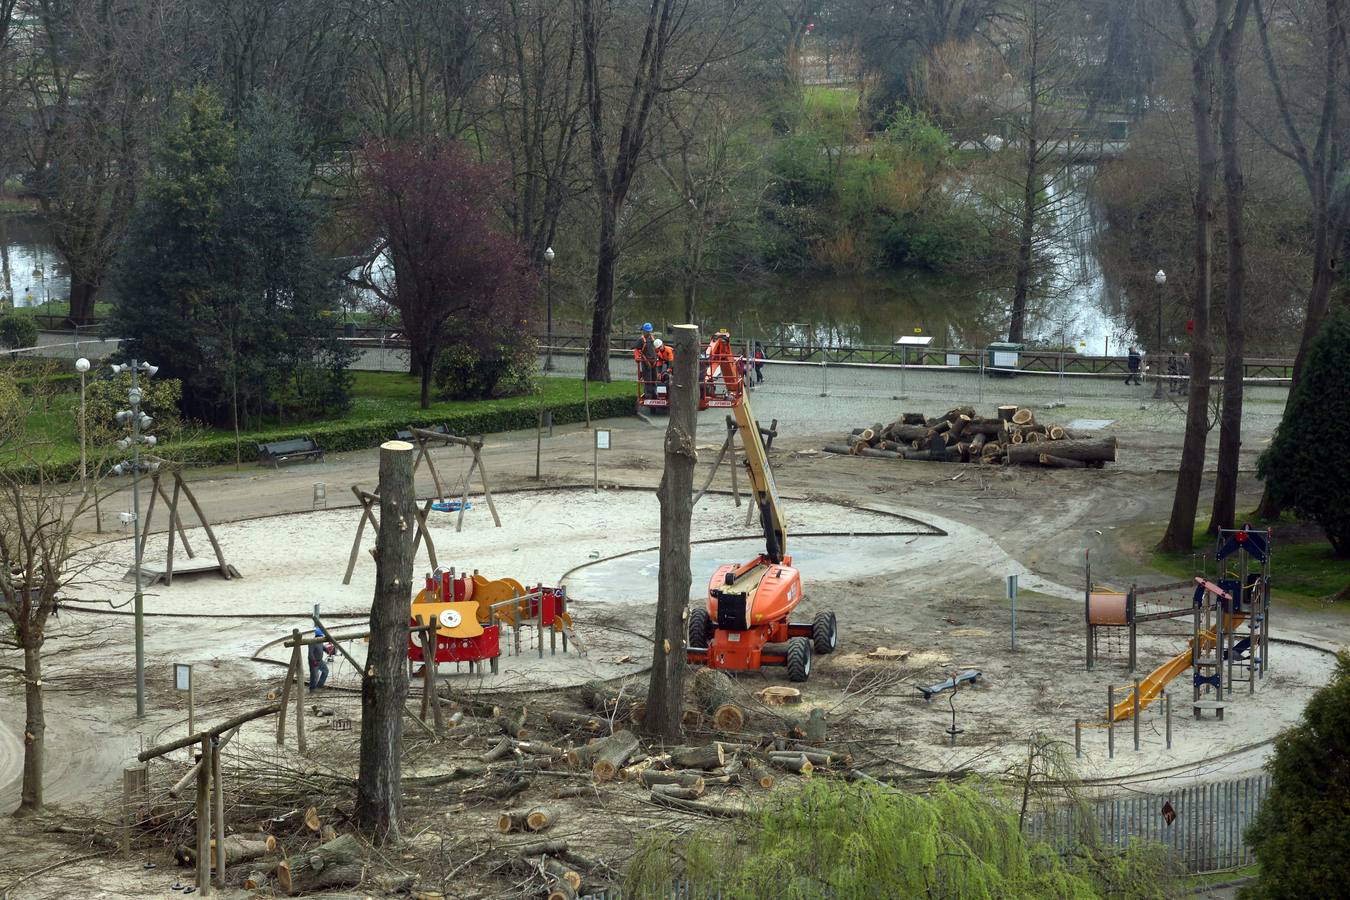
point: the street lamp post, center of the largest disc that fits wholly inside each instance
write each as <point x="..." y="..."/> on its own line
<point x="1159" y="279"/>
<point x="549" y="256"/>
<point x="82" y="366"/>
<point x="138" y="422"/>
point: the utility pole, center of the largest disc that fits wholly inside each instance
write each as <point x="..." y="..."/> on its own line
<point x="138" y="422"/>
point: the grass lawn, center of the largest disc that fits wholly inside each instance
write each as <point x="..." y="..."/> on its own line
<point x="1303" y="572"/>
<point x="377" y="397"/>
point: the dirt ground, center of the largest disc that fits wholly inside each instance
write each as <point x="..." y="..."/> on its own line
<point x="933" y="592"/>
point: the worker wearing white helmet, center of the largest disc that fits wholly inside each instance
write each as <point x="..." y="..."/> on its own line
<point x="665" y="359"/>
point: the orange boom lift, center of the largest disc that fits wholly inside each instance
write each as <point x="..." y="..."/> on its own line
<point x="746" y="624"/>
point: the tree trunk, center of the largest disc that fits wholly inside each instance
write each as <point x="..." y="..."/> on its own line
<point x="82" y="292"/>
<point x="607" y="256"/>
<point x="665" y="692"/>
<point x="425" y="373"/>
<point x="1224" y="511"/>
<point x="384" y="689"/>
<point x="1180" y="534"/>
<point x="1030" y="188"/>
<point x="1103" y="450"/>
<point x="34" y="727"/>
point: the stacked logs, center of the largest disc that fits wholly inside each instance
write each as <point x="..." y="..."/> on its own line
<point x="1013" y="436"/>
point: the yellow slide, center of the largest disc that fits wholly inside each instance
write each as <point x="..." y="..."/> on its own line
<point x="1151" y="688"/>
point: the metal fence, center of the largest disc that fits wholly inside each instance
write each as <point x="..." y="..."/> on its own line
<point x="1208" y="833"/>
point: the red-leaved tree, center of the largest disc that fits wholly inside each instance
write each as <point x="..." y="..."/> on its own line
<point x="438" y="256"/>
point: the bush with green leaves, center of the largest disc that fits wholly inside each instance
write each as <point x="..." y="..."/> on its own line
<point x="17" y="330"/>
<point x="106" y="396"/>
<point x="482" y="368"/>
<point x="1303" y="467"/>
<point x="1299" y="834"/>
<point x="834" y="840"/>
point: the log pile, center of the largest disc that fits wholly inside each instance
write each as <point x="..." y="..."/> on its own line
<point x="1012" y="436"/>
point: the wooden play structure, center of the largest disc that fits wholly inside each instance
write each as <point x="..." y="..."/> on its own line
<point x="368" y="503"/>
<point x="151" y="575"/>
<point x="470" y="611"/>
<point x="424" y="439"/>
<point x="1230" y="618"/>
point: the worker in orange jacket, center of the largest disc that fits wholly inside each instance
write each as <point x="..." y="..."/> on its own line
<point x="644" y="353"/>
<point x="665" y="359"/>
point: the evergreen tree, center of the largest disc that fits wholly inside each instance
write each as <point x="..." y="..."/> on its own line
<point x="1302" y="468"/>
<point x="221" y="283"/>
<point x="1299" y="834"/>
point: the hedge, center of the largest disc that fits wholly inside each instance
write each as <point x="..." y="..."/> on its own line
<point x="339" y="436"/>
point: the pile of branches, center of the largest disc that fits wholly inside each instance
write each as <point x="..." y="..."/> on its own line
<point x="1012" y="436"/>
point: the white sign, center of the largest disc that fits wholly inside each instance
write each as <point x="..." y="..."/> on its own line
<point x="954" y="360"/>
<point x="1003" y="359"/>
<point x="182" y="677"/>
<point x="602" y="439"/>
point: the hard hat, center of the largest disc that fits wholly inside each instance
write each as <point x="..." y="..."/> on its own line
<point x="657" y="343"/>
<point x="646" y="326"/>
<point x="723" y="331"/>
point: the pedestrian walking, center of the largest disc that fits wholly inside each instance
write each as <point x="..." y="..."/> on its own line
<point x="1183" y="382"/>
<point x="759" y="364"/>
<point x="318" y="664"/>
<point x="1133" y="363"/>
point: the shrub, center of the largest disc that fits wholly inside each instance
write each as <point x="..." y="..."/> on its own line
<point x="1298" y="835"/>
<point x="18" y="331"/>
<point x="105" y="397"/>
<point x="504" y="368"/>
<point x="1303" y="468"/>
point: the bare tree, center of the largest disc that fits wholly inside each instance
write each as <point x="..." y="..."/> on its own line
<point x="384" y="687"/>
<point x="1230" y="420"/>
<point x="38" y="551"/>
<point x="665" y="691"/>
<point x="1314" y="139"/>
<point x="679" y="39"/>
<point x="1202" y="46"/>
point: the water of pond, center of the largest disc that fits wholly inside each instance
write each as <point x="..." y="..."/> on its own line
<point x="838" y="310"/>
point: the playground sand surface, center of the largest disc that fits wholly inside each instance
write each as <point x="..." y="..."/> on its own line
<point x="936" y="599"/>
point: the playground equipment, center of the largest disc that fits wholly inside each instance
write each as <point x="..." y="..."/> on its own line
<point x="1239" y="595"/>
<point x="951" y="684"/>
<point x="748" y="605"/>
<point x="469" y="612"/>
<point x="152" y="576"/>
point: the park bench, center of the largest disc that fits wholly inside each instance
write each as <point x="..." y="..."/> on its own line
<point x="278" y="452"/>
<point x="407" y="435"/>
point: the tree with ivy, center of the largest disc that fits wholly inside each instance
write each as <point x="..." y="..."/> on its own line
<point x="1303" y="468"/>
<point x="221" y="282"/>
<point x="1299" y="833"/>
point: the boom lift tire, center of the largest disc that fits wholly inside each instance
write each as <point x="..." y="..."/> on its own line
<point x="798" y="659"/>
<point x="824" y="633"/>
<point x="700" y="628"/>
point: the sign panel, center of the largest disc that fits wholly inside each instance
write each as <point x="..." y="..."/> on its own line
<point x="602" y="439"/>
<point x="182" y="677"/>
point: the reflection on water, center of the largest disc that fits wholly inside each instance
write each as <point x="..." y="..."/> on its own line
<point x="1079" y="307"/>
<point x="31" y="271"/>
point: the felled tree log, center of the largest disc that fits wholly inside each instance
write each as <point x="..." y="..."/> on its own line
<point x="898" y="431"/>
<point x="1102" y="450"/>
<point x="816" y="757"/>
<point x="585" y="755"/>
<point x="977" y="442"/>
<point x="716" y="693"/>
<point x="511" y="820"/>
<point x="576" y="721"/>
<point x="989" y="427"/>
<point x="622" y="706"/>
<point x="677" y="792"/>
<point x="792" y="762"/>
<point x="1058" y="462"/>
<point x="1006" y="413"/>
<point x="511" y="722"/>
<point x="1023" y="416"/>
<point x="709" y="756"/>
<point x="238" y="849"/>
<point x="912" y="419"/>
<point x="1056" y="433"/>
<point x="762" y="776"/>
<point x="692" y="780"/>
<point x="865" y="451"/>
<point x="562" y="872"/>
<point x="540" y="818"/>
<point x="610" y="759"/>
<point x="338" y="863"/>
<point x="500" y="751"/>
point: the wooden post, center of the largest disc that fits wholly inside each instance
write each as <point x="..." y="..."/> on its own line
<point x="291" y="672"/>
<point x="1167" y="708"/>
<point x="1135" y="716"/>
<point x="1078" y="737"/>
<point x="665" y="691"/>
<point x="204" y="820"/>
<point x="135" y="788"/>
<point x="300" y="685"/>
<point x="384" y="685"/>
<point x="1110" y="721"/>
<point x="218" y="791"/>
<point x="366" y="516"/>
<point x="436" y="717"/>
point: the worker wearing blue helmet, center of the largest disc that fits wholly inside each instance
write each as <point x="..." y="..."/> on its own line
<point x="644" y="352"/>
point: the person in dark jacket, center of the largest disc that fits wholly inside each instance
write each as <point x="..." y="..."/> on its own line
<point x="318" y="664"/>
<point x="759" y="364"/>
<point x="1133" y="367"/>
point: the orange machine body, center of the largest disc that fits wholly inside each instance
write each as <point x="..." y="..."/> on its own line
<point x="751" y="614"/>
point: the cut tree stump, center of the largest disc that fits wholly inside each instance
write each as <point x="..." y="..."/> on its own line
<point x="1101" y="450"/>
<point x="778" y="695"/>
<point x="338" y="863"/>
<point x="709" y="756"/>
<point x="1006" y="413"/>
<point x="716" y="693"/>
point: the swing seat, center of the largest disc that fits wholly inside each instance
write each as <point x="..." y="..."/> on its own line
<point x="449" y="505"/>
